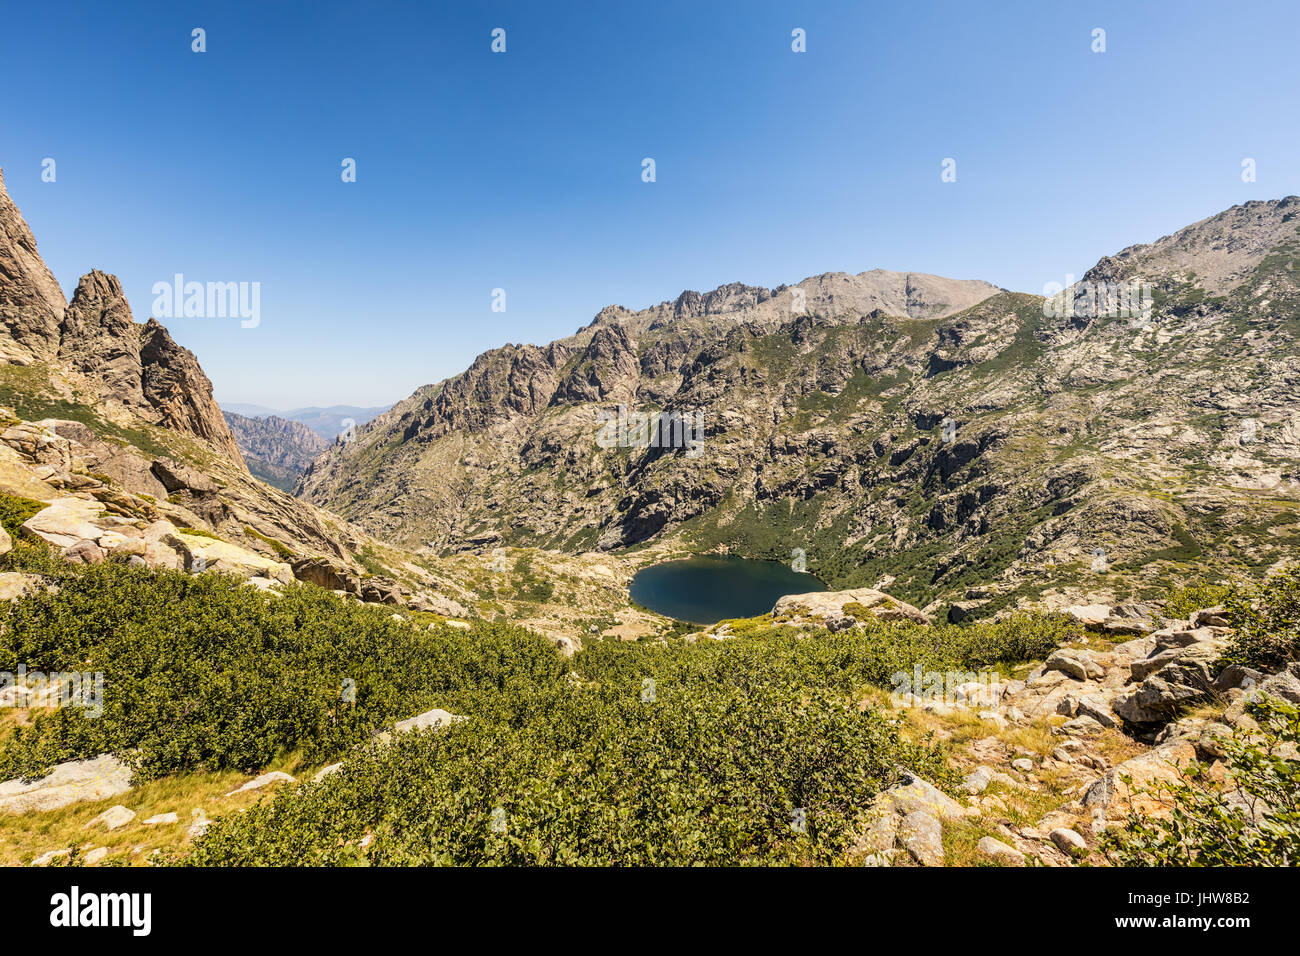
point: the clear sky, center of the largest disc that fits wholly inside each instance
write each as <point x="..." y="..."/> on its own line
<point x="523" y="170"/>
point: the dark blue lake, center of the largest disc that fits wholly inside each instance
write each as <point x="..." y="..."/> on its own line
<point x="708" y="589"/>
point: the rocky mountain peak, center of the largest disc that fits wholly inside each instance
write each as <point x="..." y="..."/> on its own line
<point x="608" y="368"/>
<point x="94" y="340"/>
<point x="1217" y="254"/>
<point x="98" y="337"/>
<point x="31" y="302"/>
<point x="175" y="386"/>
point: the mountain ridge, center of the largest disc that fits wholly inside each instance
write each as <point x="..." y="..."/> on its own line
<point x="825" y="427"/>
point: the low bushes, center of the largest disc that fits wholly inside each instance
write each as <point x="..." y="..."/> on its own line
<point x="201" y="671"/>
<point x="1259" y="827"/>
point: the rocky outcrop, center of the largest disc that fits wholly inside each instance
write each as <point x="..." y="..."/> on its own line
<point x="843" y="609"/>
<point x="99" y="339"/>
<point x="1071" y="698"/>
<point x="1180" y="670"/>
<point x="31" y="302"/>
<point x="180" y="393"/>
<point x="73" y="782"/>
<point x="95" y="342"/>
<point x="607" y="370"/>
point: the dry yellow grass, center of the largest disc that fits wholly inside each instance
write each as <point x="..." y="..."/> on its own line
<point x="24" y="837"/>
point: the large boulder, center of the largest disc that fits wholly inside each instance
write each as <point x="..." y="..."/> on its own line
<point x="1176" y="677"/>
<point x="1284" y="684"/>
<point x="380" y="590"/>
<point x="429" y="719"/>
<point x="176" y="477"/>
<point x="320" y="572"/>
<point x="65" y="521"/>
<point x="1117" y="791"/>
<point x="829" y="606"/>
<point x="1075" y="663"/>
<point x="267" y="779"/>
<point x="73" y="782"/>
<point x="1089" y="615"/>
<point x="922" y="837"/>
<point x="209" y="554"/>
<point x="437" y="604"/>
<point x="915" y="794"/>
<point x="999" y="852"/>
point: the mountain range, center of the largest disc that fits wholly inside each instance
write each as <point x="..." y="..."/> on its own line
<point x="976" y="448"/>
<point x="946" y="435"/>
<point x="328" y="423"/>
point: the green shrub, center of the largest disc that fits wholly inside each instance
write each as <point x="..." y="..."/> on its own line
<point x="695" y="773"/>
<point x="749" y="750"/>
<point x="1182" y="600"/>
<point x="1205" y="829"/>
<point x="201" y="671"/>
<point x="1267" y="621"/>
<point x="14" y="510"/>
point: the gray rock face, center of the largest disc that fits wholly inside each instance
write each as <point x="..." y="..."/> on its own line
<point x="922" y="837"/>
<point x="999" y="852"/>
<point x="176" y="477"/>
<point x="98" y="338"/>
<point x="73" y="782"/>
<point x="31" y="302"/>
<point x="1175" y="678"/>
<point x="324" y="574"/>
<point x="915" y="794"/>
<point x="1285" y="684"/>
<point x="1098" y="708"/>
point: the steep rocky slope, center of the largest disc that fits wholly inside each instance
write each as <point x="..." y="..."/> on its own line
<point x="275" y="449"/>
<point x="111" y="439"/>
<point x="91" y="351"/>
<point x="955" y="437"/>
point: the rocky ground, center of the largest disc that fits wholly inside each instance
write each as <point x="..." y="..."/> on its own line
<point x="1049" y="759"/>
<point x="1053" y="758"/>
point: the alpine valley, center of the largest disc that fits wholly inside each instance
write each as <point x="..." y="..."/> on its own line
<point x="1163" y="446"/>
<point x="1057" y="544"/>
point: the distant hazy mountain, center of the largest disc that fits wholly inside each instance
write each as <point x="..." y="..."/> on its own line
<point x="325" y="422"/>
<point x="328" y="422"/>
<point x="276" y="449"/>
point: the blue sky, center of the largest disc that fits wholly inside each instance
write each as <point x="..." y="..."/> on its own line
<point x="522" y="170"/>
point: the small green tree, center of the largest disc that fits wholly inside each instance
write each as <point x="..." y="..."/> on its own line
<point x="1267" y="621"/>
